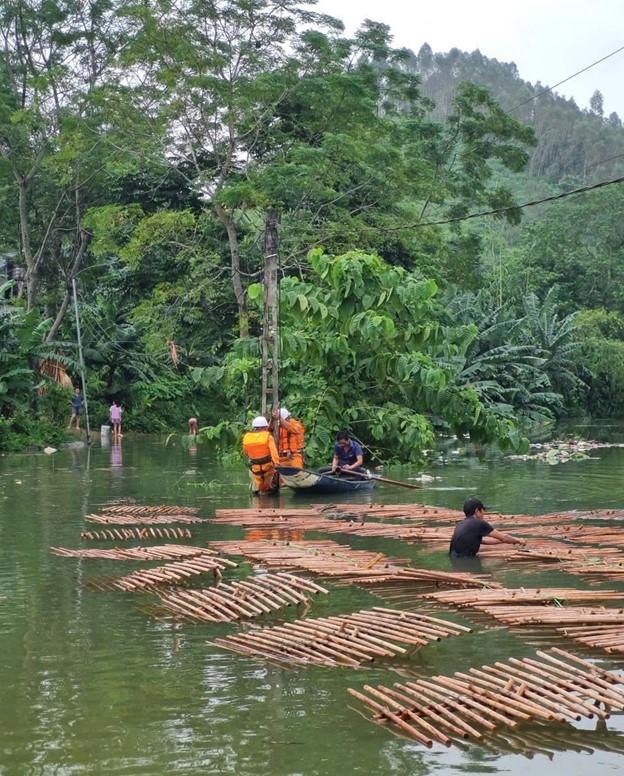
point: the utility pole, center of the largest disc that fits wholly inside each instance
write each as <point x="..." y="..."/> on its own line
<point x="81" y="360"/>
<point x="270" y="323"/>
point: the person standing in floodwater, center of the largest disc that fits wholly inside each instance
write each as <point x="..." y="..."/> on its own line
<point x="76" y="402"/>
<point x="114" y="416"/>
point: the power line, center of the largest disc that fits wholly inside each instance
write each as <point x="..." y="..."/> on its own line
<point x="565" y="80"/>
<point x="506" y="209"/>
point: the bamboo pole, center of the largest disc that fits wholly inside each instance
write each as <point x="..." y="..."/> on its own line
<point x="385" y="712"/>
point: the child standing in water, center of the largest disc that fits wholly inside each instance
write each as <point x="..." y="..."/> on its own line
<point x="114" y="415"/>
<point x="76" y="402"/>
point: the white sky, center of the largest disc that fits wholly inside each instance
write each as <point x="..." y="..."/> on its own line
<point x="549" y="40"/>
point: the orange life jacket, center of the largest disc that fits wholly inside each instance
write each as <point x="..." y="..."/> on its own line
<point x="291" y="439"/>
<point x="259" y="447"/>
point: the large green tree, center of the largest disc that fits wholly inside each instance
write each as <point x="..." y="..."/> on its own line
<point x="361" y="347"/>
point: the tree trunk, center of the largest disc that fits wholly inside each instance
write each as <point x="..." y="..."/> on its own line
<point x="237" y="283"/>
<point x="270" y="325"/>
<point x="85" y="237"/>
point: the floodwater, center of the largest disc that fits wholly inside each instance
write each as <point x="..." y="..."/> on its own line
<point x="91" y="684"/>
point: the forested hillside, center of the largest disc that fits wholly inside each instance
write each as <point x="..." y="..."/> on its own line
<point x="142" y="146"/>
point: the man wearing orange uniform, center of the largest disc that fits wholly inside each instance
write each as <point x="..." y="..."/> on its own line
<point x="291" y="444"/>
<point x="259" y="447"/>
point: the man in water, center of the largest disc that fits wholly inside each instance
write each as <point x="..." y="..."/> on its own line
<point x="262" y="456"/>
<point x="291" y="439"/>
<point x="473" y="530"/>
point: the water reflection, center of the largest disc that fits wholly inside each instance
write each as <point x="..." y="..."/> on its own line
<point x="90" y="685"/>
<point x="115" y="455"/>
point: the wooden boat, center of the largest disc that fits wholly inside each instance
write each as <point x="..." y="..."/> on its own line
<point x="304" y="481"/>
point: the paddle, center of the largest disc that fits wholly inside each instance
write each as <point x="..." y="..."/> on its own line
<point x="384" y="479"/>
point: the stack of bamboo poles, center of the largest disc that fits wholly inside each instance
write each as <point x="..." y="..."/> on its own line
<point x="137" y="533"/>
<point x="503" y="596"/>
<point x="325" y="558"/>
<point x="598" y="570"/>
<point x="414" y="512"/>
<point x="263" y="516"/>
<point x="161" y="552"/>
<point x="595" y="627"/>
<point x="279" y="522"/>
<point x="148" y="519"/>
<point x="253" y="597"/>
<point x="583" y="533"/>
<point x="141" y="510"/>
<point x="549" y="610"/>
<point x="425" y="579"/>
<point x="174" y="573"/>
<point x="447" y="709"/>
<point x="347" y="640"/>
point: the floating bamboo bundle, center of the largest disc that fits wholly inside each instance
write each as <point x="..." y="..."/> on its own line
<point x="586" y="514"/>
<point x="597" y="627"/>
<point x="582" y="532"/>
<point x="260" y="516"/>
<point x="405" y="532"/>
<point x="333" y="511"/>
<point x="141" y="509"/>
<point x="598" y="570"/>
<point x="326" y="558"/>
<point x="347" y="640"/>
<point x="609" y="638"/>
<point x="446" y="709"/>
<point x="428" y="578"/>
<point x="131" y="519"/>
<point x="162" y="552"/>
<point x="240" y="600"/>
<point x="259" y="523"/>
<point x="138" y="533"/>
<point x="171" y="573"/>
<point x="479" y="598"/>
<point x="551" y="552"/>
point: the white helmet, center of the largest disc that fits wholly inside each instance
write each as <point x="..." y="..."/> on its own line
<point x="284" y="414"/>
<point x="259" y="422"/>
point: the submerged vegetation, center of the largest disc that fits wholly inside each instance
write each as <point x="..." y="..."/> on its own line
<point x="141" y="148"/>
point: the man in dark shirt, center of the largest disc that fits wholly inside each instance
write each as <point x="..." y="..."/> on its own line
<point x="348" y="454"/>
<point x="473" y="530"/>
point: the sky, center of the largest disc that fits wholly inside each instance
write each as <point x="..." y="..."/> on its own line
<point x="548" y="40"/>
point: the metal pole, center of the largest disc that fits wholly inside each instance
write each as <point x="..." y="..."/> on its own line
<point x="81" y="360"/>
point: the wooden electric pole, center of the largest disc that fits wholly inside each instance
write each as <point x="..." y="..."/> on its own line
<point x="270" y="324"/>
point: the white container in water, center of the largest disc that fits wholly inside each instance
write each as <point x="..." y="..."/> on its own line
<point x="105" y="431"/>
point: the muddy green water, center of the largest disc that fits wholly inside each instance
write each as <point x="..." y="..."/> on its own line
<point x="90" y="684"/>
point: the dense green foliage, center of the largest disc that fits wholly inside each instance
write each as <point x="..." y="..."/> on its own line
<point x="142" y="143"/>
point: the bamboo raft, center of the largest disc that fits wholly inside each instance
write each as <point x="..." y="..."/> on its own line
<point x="448" y="709"/>
<point x="246" y="599"/>
<point x="247" y="517"/>
<point x="137" y="533"/>
<point x="174" y="573"/>
<point x="325" y="558"/>
<point x="147" y="519"/>
<point x="141" y="509"/>
<point x="428" y="578"/>
<point x="161" y="552"/>
<point x="595" y="627"/>
<point x="503" y="596"/>
<point x="346" y="640"/>
<point x="598" y="570"/>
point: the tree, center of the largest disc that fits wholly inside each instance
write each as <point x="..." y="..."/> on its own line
<point x="58" y="82"/>
<point x="368" y="358"/>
